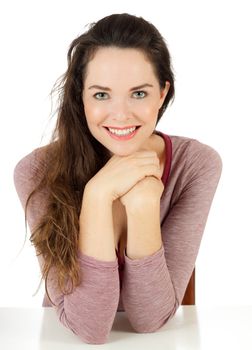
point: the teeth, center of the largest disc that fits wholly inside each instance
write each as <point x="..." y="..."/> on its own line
<point x="122" y="132"/>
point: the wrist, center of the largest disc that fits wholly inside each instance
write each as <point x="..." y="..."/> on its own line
<point x="137" y="209"/>
<point x="143" y="232"/>
<point x="92" y="192"/>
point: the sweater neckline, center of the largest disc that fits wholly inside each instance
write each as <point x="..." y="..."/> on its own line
<point x="168" y="156"/>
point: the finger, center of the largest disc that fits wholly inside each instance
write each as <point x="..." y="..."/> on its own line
<point x="144" y="154"/>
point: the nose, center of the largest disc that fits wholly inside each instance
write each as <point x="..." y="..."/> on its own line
<point x="120" y="109"/>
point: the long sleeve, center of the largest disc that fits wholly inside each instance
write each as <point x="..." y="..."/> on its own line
<point x="89" y="311"/>
<point x="154" y="286"/>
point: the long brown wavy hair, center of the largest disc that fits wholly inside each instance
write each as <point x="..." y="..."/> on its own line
<point x="73" y="155"/>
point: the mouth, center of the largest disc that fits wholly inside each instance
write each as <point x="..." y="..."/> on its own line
<point x="121" y="128"/>
<point x="122" y="133"/>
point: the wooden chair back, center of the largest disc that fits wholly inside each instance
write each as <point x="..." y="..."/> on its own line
<point x="189" y="297"/>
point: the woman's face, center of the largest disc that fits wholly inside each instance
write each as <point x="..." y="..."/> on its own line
<point x="121" y="91"/>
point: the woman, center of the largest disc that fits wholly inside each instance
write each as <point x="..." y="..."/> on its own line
<point x="116" y="208"/>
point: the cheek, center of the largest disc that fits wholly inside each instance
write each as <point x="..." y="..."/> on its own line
<point x="147" y="111"/>
<point x="94" y="113"/>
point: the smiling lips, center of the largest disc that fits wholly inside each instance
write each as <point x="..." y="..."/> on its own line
<point x="122" y="133"/>
<point x="121" y="128"/>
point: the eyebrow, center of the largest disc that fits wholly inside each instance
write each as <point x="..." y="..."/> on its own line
<point x="104" y="88"/>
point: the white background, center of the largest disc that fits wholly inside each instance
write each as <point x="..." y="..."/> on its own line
<point x="210" y="45"/>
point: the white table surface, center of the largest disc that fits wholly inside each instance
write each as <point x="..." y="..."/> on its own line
<point x="192" y="327"/>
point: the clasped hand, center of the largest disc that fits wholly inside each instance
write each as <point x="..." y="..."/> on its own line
<point x="134" y="179"/>
<point x="146" y="191"/>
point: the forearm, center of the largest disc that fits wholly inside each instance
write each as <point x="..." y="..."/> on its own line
<point x="144" y="232"/>
<point x="148" y="293"/>
<point x="96" y="227"/>
<point x="89" y="311"/>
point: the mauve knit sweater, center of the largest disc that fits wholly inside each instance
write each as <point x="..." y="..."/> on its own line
<point x="149" y="289"/>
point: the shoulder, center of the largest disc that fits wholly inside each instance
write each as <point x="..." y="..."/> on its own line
<point x="195" y="172"/>
<point x="30" y="169"/>
<point x="195" y="154"/>
<point x="32" y="162"/>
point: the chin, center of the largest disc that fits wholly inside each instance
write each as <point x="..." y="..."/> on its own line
<point x="127" y="151"/>
<point x="121" y="154"/>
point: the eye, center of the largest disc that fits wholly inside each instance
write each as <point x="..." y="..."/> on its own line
<point x="140" y="94"/>
<point x="101" y="96"/>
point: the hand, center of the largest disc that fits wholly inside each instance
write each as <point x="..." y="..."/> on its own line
<point x="148" y="190"/>
<point x="121" y="173"/>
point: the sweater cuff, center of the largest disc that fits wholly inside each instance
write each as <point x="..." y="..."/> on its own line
<point x="150" y="259"/>
<point x="85" y="260"/>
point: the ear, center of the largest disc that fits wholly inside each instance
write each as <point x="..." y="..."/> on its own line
<point x="163" y="93"/>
